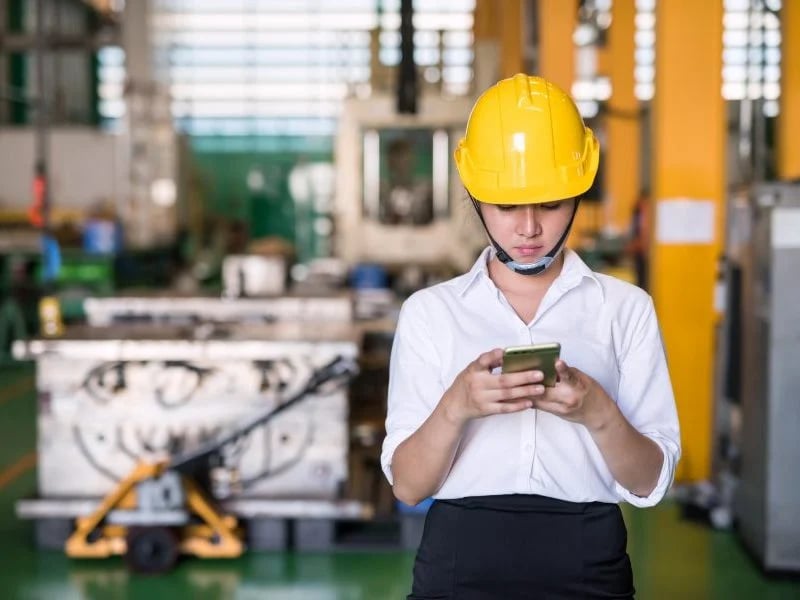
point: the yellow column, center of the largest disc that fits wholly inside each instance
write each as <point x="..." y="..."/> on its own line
<point x="499" y="30"/>
<point x="688" y="189"/>
<point x="512" y="23"/>
<point x="484" y="25"/>
<point x="622" y="152"/>
<point x="557" y="19"/>
<point x="789" y="119"/>
<point x="486" y="44"/>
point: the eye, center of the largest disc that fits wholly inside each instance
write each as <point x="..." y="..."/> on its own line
<point x="506" y="207"/>
<point x="551" y="205"/>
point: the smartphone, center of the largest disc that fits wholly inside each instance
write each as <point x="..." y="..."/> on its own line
<point x="540" y="357"/>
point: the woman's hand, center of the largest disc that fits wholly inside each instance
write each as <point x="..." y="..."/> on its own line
<point x="577" y="397"/>
<point x="476" y="392"/>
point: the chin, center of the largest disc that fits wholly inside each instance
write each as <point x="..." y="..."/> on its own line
<point x="526" y="259"/>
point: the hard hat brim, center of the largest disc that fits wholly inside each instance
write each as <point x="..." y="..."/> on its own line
<point x="573" y="181"/>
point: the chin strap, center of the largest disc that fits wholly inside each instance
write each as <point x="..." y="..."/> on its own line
<point x="538" y="266"/>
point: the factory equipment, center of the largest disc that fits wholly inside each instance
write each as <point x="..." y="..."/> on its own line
<point x="769" y="488"/>
<point x="397" y="191"/>
<point x="161" y="509"/>
<point x="398" y="197"/>
<point x="253" y="275"/>
<point x="101" y="312"/>
<point x="114" y="401"/>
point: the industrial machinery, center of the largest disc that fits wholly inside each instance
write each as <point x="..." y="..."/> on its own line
<point x="129" y="413"/>
<point x="768" y="491"/>
<point x="102" y="312"/>
<point x="165" y="508"/>
<point x="396" y="187"/>
<point x="398" y="196"/>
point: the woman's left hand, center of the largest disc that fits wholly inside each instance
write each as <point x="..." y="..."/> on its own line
<point x="576" y="397"/>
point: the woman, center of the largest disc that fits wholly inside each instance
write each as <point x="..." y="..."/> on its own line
<point x="527" y="478"/>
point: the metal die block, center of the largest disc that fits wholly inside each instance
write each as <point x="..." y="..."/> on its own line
<point x="98" y="417"/>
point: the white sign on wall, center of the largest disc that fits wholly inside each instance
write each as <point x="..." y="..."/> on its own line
<point x="685" y="221"/>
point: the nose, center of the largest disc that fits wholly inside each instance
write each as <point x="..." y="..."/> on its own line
<point x="529" y="225"/>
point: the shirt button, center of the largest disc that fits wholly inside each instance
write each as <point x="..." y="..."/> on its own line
<point x="528" y="448"/>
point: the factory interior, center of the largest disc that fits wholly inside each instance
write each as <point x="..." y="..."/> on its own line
<point x="211" y="212"/>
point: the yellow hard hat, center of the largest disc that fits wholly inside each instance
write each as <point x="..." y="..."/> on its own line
<point x="526" y="143"/>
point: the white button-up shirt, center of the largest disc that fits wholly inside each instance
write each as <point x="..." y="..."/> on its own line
<point x="607" y="328"/>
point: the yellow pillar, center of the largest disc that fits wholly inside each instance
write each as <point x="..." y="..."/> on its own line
<point x="512" y="23"/>
<point x="486" y="45"/>
<point x="499" y="30"/>
<point x="622" y="153"/>
<point x="484" y="25"/>
<point x="557" y="19"/>
<point x="788" y="163"/>
<point x="688" y="189"/>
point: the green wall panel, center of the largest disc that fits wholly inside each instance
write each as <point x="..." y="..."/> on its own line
<point x="228" y="167"/>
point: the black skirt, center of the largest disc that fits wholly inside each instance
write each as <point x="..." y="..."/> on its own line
<point x="519" y="547"/>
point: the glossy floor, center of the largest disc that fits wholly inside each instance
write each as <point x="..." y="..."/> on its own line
<point x="673" y="559"/>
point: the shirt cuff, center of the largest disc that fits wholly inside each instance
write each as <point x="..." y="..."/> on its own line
<point x="390" y="444"/>
<point x="663" y="484"/>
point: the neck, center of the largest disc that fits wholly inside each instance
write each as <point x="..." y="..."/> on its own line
<point x="517" y="283"/>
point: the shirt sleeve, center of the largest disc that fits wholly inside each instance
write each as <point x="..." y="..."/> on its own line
<point x="647" y="400"/>
<point x="415" y="384"/>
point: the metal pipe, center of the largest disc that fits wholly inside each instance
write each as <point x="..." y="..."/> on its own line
<point x="41" y="140"/>
<point x="407" y="71"/>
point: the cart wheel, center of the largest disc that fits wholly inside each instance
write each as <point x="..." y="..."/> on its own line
<point x="152" y="549"/>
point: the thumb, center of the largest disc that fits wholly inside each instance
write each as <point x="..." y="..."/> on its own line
<point x="490" y="360"/>
<point x="563" y="371"/>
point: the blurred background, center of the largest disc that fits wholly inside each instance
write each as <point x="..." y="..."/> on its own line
<point x="211" y="211"/>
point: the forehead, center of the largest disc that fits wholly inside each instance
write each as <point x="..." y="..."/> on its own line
<point x="502" y="200"/>
<point x="549" y="203"/>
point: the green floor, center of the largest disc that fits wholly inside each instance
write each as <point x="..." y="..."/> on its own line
<point x="672" y="559"/>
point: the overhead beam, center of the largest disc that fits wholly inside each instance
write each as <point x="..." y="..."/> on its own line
<point x="24" y="42"/>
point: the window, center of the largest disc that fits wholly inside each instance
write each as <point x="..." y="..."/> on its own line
<point x="751" y="59"/>
<point x="269" y="67"/>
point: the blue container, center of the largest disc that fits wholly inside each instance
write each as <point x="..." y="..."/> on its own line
<point x="101" y="237"/>
<point x="368" y="276"/>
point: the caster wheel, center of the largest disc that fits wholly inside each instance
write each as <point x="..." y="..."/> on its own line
<point x="152" y="550"/>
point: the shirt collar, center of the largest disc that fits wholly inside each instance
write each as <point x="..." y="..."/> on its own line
<point x="480" y="268"/>
<point x="572" y="273"/>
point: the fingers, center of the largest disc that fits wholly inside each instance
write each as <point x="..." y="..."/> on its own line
<point x="515" y="393"/>
<point x="497" y="388"/>
<point x="489" y="393"/>
<point x="512" y="407"/>
<point x="509" y="380"/>
<point x="551" y="406"/>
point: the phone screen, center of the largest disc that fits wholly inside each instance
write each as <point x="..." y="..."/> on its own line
<point x="541" y="357"/>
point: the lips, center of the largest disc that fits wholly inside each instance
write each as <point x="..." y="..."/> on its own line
<point x="528" y="250"/>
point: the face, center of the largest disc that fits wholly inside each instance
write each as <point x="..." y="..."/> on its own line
<point x="527" y="232"/>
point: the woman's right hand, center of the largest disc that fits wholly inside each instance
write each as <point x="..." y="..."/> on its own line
<point x="476" y="392"/>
